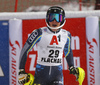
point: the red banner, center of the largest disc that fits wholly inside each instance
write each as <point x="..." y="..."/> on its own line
<point x="77" y="28"/>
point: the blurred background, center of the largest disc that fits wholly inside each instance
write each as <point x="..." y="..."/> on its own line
<point x="42" y="5"/>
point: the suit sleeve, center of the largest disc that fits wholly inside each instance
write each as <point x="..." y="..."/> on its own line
<point x="68" y="51"/>
<point x="31" y="41"/>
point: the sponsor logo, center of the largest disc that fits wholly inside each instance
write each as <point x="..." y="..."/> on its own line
<point x="32" y="36"/>
<point x="91" y="51"/>
<point x="94" y="40"/>
<point x="54" y="47"/>
<point x="54" y="40"/>
<point x="13" y="55"/>
<point x="51" y="60"/>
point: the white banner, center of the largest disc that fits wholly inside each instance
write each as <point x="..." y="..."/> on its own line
<point x="15" y="45"/>
<point x="92" y="44"/>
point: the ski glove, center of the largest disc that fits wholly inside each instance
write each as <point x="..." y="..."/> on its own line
<point x="74" y="71"/>
<point x="22" y="76"/>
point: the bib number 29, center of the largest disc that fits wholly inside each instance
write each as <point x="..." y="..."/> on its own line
<point x="54" y="53"/>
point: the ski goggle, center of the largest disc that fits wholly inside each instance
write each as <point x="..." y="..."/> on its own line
<point x="57" y="17"/>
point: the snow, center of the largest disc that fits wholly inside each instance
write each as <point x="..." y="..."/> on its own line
<point x="74" y="6"/>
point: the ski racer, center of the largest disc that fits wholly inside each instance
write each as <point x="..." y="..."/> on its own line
<point x="51" y="42"/>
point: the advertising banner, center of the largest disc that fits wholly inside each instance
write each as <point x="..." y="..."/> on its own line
<point x="84" y="44"/>
<point x="4" y="53"/>
<point x="92" y="44"/>
<point x="15" y="46"/>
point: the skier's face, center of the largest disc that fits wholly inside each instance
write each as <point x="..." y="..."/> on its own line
<point x="54" y="23"/>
